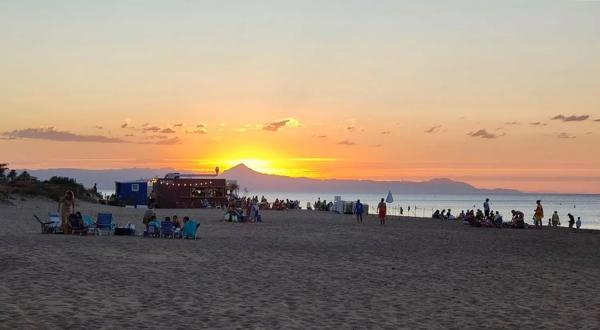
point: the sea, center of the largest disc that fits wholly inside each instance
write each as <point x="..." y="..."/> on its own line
<point x="422" y="205"/>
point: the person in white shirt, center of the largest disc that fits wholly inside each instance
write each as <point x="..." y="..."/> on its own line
<point x="578" y="223"/>
<point x="486" y="207"/>
<point x="498" y="219"/>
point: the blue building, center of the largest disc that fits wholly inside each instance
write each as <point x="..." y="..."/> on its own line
<point x="132" y="193"/>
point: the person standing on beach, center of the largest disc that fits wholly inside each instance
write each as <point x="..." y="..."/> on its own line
<point x="571" y="220"/>
<point x="66" y="207"/>
<point x="486" y="208"/>
<point x="578" y="223"/>
<point x="555" y="219"/>
<point x="358" y="210"/>
<point x="382" y="211"/>
<point x="538" y="214"/>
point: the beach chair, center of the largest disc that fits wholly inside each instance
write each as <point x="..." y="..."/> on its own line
<point x="90" y="224"/>
<point x="50" y="226"/>
<point x="190" y="229"/>
<point x="167" y="229"/>
<point x="104" y="223"/>
<point x="77" y="226"/>
<point x="150" y="231"/>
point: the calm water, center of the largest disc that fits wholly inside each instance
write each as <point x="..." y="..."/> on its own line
<point x="585" y="206"/>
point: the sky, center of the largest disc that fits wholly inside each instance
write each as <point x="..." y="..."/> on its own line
<point x="499" y="94"/>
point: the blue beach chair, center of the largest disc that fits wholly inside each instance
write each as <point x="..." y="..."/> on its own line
<point x="190" y="229"/>
<point x="153" y="229"/>
<point x="167" y="229"/>
<point x="104" y="223"/>
<point x="88" y="221"/>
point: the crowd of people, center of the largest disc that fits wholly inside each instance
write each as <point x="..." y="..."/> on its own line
<point x="489" y="218"/>
<point x="153" y="225"/>
<point x="322" y="205"/>
<point x="245" y="209"/>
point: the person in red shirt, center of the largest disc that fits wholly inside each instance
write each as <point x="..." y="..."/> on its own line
<point x="382" y="211"/>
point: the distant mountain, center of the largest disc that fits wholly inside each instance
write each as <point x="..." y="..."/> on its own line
<point x="104" y="178"/>
<point x="256" y="181"/>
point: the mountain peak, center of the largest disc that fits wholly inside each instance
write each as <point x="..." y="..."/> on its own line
<point x="241" y="168"/>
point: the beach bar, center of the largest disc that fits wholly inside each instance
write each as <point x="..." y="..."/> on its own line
<point x="189" y="191"/>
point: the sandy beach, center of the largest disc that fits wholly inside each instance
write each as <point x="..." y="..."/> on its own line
<point x="298" y="269"/>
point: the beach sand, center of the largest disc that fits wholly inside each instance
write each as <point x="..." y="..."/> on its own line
<point x="298" y="269"/>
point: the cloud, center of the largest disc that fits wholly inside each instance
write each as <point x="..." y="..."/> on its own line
<point x="178" y="125"/>
<point x="538" y="123"/>
<point x="170" y="141"/>
<point x="167" y="131"/>
<point x="321" y="136"/>
<point x="201" y="125"/>
<point x="199" y="130"/>
<point x="145" y="124"/>
<point x="564" y="135"/>
<point x="278" y="125"/>
<point x="152" y="129"/>
<point x="51" y="134"/>
<point x="346" y="143"/>
<point x="351" y="128"/>
<point x="597" y="120"/>
<point x="385" y="133"/>
<point x="124" y="125"/>
<point x="511" y="123"/>
<point x="157" y="137"/>
<point x="571" y="118"/>
<point x="482" y="133"/>
<point x="98" y="127"/>
<point x="434" y="129"/>
<point x="129" y="135"/>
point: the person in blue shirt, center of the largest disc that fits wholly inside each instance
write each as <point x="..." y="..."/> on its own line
<point x="358" y="210"/>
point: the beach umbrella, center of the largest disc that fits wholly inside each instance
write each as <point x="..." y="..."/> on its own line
<point x="389" y="198"/>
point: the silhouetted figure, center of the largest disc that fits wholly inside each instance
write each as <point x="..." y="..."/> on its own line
<point x="382" y="211"/>
<point x="571" y="220"/>
<point x="358" y="210"/>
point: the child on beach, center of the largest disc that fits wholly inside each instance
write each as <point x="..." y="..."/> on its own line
<point x="382" y="211"/>
<point x="578" y="223"/>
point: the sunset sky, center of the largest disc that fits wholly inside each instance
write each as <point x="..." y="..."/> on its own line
<point x="494" y="93"/>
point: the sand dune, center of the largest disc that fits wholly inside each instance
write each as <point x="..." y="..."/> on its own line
<point x="299" y="269"/>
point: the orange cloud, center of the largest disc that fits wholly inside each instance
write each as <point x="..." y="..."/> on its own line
<point x="482" y="133"/>
<point x="278" y="125"/>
